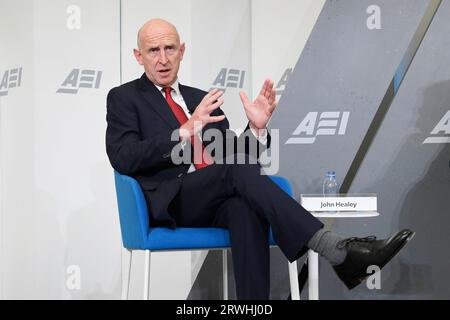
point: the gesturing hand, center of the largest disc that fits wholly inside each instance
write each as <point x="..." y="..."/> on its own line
<point x="201" y="116"/>
<point x="259" y="111"/>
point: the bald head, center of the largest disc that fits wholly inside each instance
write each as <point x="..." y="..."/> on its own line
<point x="159" y="51"/>
<point x="154" y="28"/>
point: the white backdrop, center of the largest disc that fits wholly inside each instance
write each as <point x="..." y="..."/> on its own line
<point x="60" y="231"/>
<point x="74" y="183"/>
<point x="59" y="225"/>
<point x="16" y="125"/>
<point x="280" y="30"/>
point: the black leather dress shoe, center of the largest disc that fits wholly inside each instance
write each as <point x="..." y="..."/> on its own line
<point x="365" y="252"/>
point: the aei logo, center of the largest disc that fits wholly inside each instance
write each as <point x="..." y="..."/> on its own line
<point x="440" y="133"/>
<point x="78" y="78"/>
<point x="229" y="78"/>
<point x="10" y="79"/>
<point x="281" y="85"/>
<point x="330" y="124"/>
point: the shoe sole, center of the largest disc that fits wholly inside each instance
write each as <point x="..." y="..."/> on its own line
<point x="352" y="284"/>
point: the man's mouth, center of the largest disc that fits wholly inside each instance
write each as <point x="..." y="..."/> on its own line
<point x="164" y="72"/>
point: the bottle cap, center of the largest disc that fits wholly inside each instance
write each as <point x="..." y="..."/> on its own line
<point x="331" y="174"/>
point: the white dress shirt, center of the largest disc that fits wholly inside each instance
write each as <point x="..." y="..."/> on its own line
<point x="178" y="98"/>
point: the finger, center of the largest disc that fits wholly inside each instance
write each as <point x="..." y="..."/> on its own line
<point x="214" y="96"/>
<point x="244" y="98"/>
<point x="272" y="97"/>
<point x="210" y="94"/>
<point x="215" y="105"/>
<point x="213" y="91"/>
<point x="264" y="88"/>
<point x="269" y="89"/>
<point x="208" y="99"/>
<point x="272" y="106"/>
<point x="216" y="118"/>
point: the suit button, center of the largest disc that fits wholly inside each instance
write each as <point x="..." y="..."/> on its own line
<point x="180" y="175"/>
<point x="166" y="155"/>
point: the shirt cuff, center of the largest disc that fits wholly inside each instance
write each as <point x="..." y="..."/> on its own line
<point x="262" y="138"/>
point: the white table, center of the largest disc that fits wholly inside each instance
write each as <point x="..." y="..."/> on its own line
<point x="313" y="257"/>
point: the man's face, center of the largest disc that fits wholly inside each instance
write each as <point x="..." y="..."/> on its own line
<point x="160" y="53"/>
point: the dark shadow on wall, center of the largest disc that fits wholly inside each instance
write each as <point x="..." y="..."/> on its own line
<point x="416" y="189"/>
<point x="208" y="285"/>
<point x="417" y="184"/>
<point x="413" y="187"/>
<point x="422" y="271"/>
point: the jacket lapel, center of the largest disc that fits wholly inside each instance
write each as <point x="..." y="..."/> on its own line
<point x="189" y="99"/>
<point x="156" y="100"/>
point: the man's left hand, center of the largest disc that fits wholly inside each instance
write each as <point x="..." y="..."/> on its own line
<point x="259" y="111"/>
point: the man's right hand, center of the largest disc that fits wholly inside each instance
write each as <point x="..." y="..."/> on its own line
<point x="201" y="116"/>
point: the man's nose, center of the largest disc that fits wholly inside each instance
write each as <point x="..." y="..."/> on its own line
<point x="162" y="57"/>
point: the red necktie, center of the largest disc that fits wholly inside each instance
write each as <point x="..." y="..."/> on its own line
<point x="201" y="157"/>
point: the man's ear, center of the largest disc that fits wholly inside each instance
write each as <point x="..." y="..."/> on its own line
<point x="182" y="49"/>
<point x="138" y="56"/>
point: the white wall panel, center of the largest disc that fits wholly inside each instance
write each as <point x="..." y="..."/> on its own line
<point x="280" y="29"/>
<point x="59" y="209"/>
<point x="221" y="52"/>
<point x="74" y="187"/>
<point x="16" y="140"/>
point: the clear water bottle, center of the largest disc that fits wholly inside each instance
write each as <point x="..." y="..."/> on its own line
<point x="330" y="185"/>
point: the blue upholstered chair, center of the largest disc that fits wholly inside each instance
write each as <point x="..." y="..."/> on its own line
<point x="138" y="235"/>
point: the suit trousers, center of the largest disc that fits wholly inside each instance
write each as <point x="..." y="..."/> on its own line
<point x="240" y="198"/>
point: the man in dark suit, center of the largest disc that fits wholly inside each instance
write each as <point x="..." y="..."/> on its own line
<point x="154" y="119"/>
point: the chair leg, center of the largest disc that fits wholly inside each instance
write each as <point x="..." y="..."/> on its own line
<point x="225" y="274"/>
<point x="147" y="275"/>
<point x="293" y="273"/>
<point x="313" y="275"/>
<point x="126" y="274"/>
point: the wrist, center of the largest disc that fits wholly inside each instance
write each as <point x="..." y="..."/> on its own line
<point x="257" y="131"/>
<point x="184" y="132"/>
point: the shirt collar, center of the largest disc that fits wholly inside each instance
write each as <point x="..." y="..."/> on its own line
<point x="175" y="87"/>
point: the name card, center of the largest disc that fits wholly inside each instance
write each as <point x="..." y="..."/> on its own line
<point x="316" y="203"/>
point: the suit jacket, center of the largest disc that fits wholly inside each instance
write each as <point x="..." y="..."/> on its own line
<point x="139" y="144"/>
